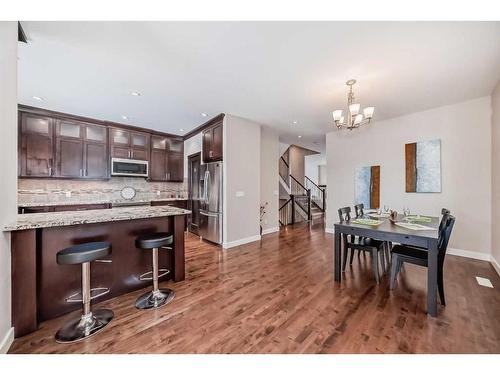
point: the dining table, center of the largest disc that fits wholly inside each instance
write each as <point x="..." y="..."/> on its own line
<point x="391" y="232"/>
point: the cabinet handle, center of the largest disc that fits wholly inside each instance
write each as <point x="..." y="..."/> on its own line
<point x="86" y="172"/>
<point x="129" y="153"/>
<point x="210" y="153"/>
<point x="50" y="171"/>
<point x="81" y="172"/>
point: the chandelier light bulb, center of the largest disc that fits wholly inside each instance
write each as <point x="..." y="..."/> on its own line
<point x="368" y="112"/>
<point x="337" y="115"/>
<point x="358" y="119"/>
<point x="342" y="120"/>
<point x="354" y="109"/>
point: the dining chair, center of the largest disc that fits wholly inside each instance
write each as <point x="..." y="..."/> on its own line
<point x="410" y="254"/>
<point x="371" y="246"/>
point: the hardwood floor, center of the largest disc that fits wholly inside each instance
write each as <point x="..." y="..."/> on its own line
<point x="278" y="296"/>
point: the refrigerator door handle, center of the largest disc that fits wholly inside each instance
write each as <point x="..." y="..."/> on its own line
<point x="204" y="213"/>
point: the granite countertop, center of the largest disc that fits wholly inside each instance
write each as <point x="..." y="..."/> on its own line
<point x="77" y="203"/>
<point x="59" y="219"/>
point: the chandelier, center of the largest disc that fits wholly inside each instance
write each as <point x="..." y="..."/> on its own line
<point x="354" y="118"/>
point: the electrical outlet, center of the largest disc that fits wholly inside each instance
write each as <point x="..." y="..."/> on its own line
<point x="68" y="194"/>
<point x="240" y="194"/>
<point x="158" y="193"/>
<point x="275" y="192"/>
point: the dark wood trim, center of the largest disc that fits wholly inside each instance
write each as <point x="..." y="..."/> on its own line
<point x="61" y="115"/>
<point x="204" y="126"/>
<point x="21" y="35"/>
<point x="24" y="281"/>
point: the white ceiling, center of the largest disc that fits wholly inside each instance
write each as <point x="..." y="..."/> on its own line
<point x="270" y="72"/>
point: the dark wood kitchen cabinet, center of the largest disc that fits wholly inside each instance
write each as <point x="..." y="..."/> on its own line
<point x="129" y="144"/>
<point x="167" y="159"/>
<point x="212" y="143"/>
<point x="36" y="146"/>
<point x="81" y="150"/>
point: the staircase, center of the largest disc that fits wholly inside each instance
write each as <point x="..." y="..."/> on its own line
<point x="304" y="202"/>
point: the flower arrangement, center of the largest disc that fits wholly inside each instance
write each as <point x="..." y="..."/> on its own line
<point x="262" y="213"/>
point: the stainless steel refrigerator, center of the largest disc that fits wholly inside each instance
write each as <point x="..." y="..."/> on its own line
<point x="210" y="224"/>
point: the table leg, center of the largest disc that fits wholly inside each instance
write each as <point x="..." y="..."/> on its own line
<point x="432" y="270"/>
<point x="337" y="257"/>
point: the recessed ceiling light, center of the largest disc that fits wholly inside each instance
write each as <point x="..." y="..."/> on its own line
<point x="294" y="122"/>
<point x="135" y="93"/>
<point x="204" y="114"/>
<point x="181" y="130"/>
<point x="124" y="117"/>
<point x="40" y="99"/>
<point x="300" y="136"/>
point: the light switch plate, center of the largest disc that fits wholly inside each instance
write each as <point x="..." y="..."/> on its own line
<point x="240" y="194"/>
<point x="484" y="282"/>
<point x="275" y="192"/>
<point x="68" y="194"/>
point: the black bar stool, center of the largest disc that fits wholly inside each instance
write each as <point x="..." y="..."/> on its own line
<point x="90" y="322"/>
<point x="157" y="297"/>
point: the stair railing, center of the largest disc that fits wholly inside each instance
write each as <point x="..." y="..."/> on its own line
<point x="318" y="194"/>
<point x="284" y="171"/>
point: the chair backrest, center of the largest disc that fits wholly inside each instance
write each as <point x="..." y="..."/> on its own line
<point x="448" y="222"/>
<point x="358" y="209"/>
<point x="444" y="212"/>
<point x="345" y="214"/>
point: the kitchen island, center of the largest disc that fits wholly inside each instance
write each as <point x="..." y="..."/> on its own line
<point x="40" y="286"/>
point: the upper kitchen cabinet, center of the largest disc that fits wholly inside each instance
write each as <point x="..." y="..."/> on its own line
<point x="127" y="144"/>
<point x="36" y="146"/>
<point x="167" y="159"/>
<point x="81" y="150"/>
<point x="212" y="143"/>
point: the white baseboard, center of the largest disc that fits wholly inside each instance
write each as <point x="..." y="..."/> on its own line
<point x="270" y="230"/>
<point x="7" y="341"/>
<point x="329" y="230"/>
<point x="495" y="264"/>
<point x="228" y="245"/>
<point x="468" y="254"/>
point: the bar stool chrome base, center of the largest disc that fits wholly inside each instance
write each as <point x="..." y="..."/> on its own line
<point x="85" y="326"/>
<point x="154" y="299"/>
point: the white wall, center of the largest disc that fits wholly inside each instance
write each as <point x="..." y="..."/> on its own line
<point x="241" y="148"/>
<point x="495" y="161"/>
<point x="191" y="146"/>
<point x="312" y="164"/>
<point x="465" y="133"/>
<point x="8" y="182"/>
<point x="269" y="182"/>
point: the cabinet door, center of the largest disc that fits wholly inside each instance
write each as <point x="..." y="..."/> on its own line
<point x="217" y="143"/>
<point x="139" y="154"/>
<point x="36" y="154"/>
<point x="95" y="160"/>
<point x="175" y="145"/>
<point x="96" y="133"/>
<point x="120" y="137"/>
<point x="207" y="144"/>
<point x="175" y="166"/>
<point x="139" y="140"/>
<point x="69" y="157"/>
<point x="158" y="165"/>
<point x="69" y="129"/>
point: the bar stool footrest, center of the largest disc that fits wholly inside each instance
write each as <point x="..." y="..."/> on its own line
<point x="144" y="276"/>
<point x="94" y="293"/>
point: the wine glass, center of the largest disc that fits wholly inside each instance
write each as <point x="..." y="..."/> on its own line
<point x="406" y="212"/>
<point x="386" y="209"/>
<point x="379" y="211"/>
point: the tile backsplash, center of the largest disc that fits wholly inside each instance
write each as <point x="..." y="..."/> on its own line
<point x="32" y="191"/>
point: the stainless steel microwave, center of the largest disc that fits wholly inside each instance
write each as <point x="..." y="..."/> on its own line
<point x="129" y="167"/>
